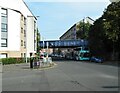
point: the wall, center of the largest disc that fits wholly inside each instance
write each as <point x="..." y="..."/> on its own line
<point x="15" y="9"/>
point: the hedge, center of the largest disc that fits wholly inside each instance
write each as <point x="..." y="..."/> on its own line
<point x="12" y="60"/>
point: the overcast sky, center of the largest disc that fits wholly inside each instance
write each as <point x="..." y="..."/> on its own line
<point x="57" y="17"/>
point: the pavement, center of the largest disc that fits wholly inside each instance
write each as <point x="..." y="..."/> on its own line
<point x="20" y="77"/>
<point x="0" y="76"/>
<point x="113" y="63"/>
<point x="64" y="76"/>
<point x="26" y="66"/>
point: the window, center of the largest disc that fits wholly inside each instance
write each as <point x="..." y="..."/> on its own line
<point x="21" y="42"/>
<point x="22" y="17"/>
<point x="3" y="42"/>
<point x="24" y="44"/>
<point x="35" y="36"/>
<point x="4" y="19"/>
<point x="4" y="35"/>
<point x="4" y="29"/>
<point x="21" y="54"/>
<point x="4" y="11"/>
<point x="4" y="55"/>
<point x="21" y="30"/>
<point x="24" y="54"/>
<point x="24" y="21"/>
<point x="24" y="33"/>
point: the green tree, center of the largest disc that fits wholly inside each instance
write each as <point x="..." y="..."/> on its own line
<point x="97" y="38"/>
<point x="104" y="35"/>
<point x="83" y="30"/>
<point x="111" y="24"/>
<point x="111" y="19"/>
<point x="38" y="40"/>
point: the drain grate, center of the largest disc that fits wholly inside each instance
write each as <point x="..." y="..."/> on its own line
<point x="74" y="82"/>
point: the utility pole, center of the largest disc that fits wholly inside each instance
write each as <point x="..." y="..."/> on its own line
<point x="47" y="49"/>
<point x="43" y="43"/>
<point x="83" y="28"/>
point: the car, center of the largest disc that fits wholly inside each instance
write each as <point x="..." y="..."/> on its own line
<point x="96" y="59"/>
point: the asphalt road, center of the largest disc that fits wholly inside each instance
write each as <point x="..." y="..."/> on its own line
<point x="65" y="76"/>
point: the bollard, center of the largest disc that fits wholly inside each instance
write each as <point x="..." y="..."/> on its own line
<point x="31" y="61"/>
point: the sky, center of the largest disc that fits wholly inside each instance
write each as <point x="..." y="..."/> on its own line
<point x="57" y="16"/>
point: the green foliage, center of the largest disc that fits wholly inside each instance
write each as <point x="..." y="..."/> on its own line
<point x="111" y="21"/>
<point x="97" y="38"/>
<point x="12" y="60"/>
<point x="104" y="35"/>
<point x="83" y="30"/>
<point x="38" y="39"/>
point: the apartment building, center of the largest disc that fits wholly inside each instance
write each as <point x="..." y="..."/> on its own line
<point x="114" y="0"/>
<point x="18" y="29"/>
<point x="71" y="33"/>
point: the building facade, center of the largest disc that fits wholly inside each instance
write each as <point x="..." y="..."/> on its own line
<point x="18" y="29"/>
<point x="114" y="0"/>
<point x="71" y="34"/>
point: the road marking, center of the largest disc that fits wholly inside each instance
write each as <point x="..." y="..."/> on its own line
<point x="109" y="76"/>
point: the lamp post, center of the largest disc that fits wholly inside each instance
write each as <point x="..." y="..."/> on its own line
<point x="83" y="30"/>
<point x="43" y="43"/>
<point x="47" y="49"/>
<point x="83" y="24"/>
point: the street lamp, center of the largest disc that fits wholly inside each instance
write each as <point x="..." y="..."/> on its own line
<point x="83" y="28"/>
<point x="83" y="24"/>
<point x="47" y="49"/>
<point x="43" y="43"/>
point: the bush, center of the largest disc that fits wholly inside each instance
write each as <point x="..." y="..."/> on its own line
<point x="12" y="60"/>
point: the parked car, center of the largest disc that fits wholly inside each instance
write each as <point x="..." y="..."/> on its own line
<point x="96" y="59"/>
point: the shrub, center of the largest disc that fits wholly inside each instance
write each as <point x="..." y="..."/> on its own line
<point x="12" y="60"/>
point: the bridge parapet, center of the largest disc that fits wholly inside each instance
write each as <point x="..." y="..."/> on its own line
<point x="63" y="43"/>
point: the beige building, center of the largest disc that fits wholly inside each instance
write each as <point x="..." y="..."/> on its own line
<point x="18" y="29"/>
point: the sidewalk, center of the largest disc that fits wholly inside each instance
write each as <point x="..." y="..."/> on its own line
<point x="112" y="63"/>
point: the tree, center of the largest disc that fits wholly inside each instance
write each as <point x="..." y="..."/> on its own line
<point x="104" y="35"/>
<point x="111" y="19"/>
<point x="97" y="39"/>
<point x="82" y="30"/>
<point x="38" y="40"/>
<point x="111" y="24"/>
